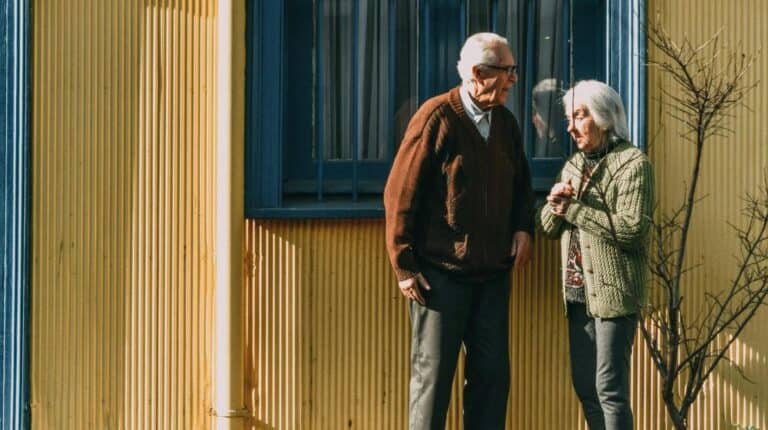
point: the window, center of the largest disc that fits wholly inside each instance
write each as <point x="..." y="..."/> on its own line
<point x="331" y="85"/>
<point x="341" y="145"/>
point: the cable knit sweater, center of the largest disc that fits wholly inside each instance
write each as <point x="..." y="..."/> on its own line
<point x="613" y="217"/>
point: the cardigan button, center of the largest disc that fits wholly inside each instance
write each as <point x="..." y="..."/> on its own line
<point x="589" y="271"/>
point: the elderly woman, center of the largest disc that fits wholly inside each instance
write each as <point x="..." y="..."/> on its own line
<point x="601" y="209"/>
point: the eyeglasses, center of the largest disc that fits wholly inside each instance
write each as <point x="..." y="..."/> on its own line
<point x="511" y="70"/>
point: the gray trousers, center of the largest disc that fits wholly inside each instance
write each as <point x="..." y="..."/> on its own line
<point x="601" y="349"/>
<point x="477" y="315"/>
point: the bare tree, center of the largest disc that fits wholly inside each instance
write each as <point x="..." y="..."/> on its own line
<point x="709" y="81"/>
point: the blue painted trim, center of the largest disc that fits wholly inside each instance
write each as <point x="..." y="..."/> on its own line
<point x="638" y="61"/>
<point x="298" y="74"/>
<point x="625" y="65"/>
<point x="15" y="217"/>
<point x="273" y="94"/>
<point x="253" y="172"/>
<point x="318" y="212"/>
<point x="264" y="105"/>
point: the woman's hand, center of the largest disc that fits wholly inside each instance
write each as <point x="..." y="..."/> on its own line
<point x="564" y="189"/>
<point x="560" y="197"/>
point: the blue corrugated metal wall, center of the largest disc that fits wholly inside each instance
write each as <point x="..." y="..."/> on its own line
<point x="14" y="213"/>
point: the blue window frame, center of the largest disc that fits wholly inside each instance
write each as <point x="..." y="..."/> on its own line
<point x="307" y="83"/>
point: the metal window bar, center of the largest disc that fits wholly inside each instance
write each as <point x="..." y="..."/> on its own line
<point x="355" y="80"/>
<point x="319" y="100"/>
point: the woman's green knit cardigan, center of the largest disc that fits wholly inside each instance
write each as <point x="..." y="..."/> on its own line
<point x="614" y="218"/>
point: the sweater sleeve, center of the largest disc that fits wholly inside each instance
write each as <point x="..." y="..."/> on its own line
<point x="627" y="223"/>
<point x="403" y="191"/>
<point x="546" y="222"/>
<point x="549" y="224"/>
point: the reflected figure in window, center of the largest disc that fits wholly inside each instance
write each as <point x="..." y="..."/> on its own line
<point x="600" y="209"/>
<point x="547" y="119"/>
<point x="458" y="205"/>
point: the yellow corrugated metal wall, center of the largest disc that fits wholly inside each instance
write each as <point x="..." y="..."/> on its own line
<point x="328" y="335"/>
<point x="122" y="270"/>
<point x="122" y="214"/>
<point x="731" y="167"/>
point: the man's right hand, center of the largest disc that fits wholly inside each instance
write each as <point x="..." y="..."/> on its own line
<point x="411" y="287"/>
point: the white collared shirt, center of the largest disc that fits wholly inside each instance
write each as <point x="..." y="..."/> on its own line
<point x="481" y="118"/>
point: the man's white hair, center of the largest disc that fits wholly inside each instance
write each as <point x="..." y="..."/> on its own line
<point x="603" y="103"/>
<point x="480" y="48"/>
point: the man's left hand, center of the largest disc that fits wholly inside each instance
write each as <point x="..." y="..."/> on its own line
<point x="522" y="248"/>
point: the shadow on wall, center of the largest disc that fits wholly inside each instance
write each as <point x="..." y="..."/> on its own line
<point x="749" y="380"/>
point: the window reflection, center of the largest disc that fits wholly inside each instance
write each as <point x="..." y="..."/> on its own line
<point x="547" y="117"/>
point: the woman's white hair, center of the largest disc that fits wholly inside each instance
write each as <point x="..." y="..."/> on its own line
<point x="603" y="103"/>
<point x="480" y="48"/>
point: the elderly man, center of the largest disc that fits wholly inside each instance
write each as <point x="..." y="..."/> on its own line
<point x="458" y="216"/>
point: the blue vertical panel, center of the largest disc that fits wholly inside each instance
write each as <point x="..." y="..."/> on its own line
<point x="625" y="51"/>
<point x="441" y="34"/>
<point x="14" y="221"/>
<point x="264" y="104"/>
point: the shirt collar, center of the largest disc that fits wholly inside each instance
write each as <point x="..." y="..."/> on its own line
<point x="475" y="113"/>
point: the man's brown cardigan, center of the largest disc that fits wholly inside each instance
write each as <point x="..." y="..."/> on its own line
<point x="452" y="199"/>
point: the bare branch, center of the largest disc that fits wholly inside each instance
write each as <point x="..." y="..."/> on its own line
<point x="708" y="82"/>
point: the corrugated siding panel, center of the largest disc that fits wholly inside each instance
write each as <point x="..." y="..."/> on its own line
<point x="328" y="336"/>
<point x="14" y="214"/>
<point x="122" y="214"/>
<point x="731" y="167"/>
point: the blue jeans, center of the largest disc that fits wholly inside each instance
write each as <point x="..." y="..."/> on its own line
<point x="601" y="350"/>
